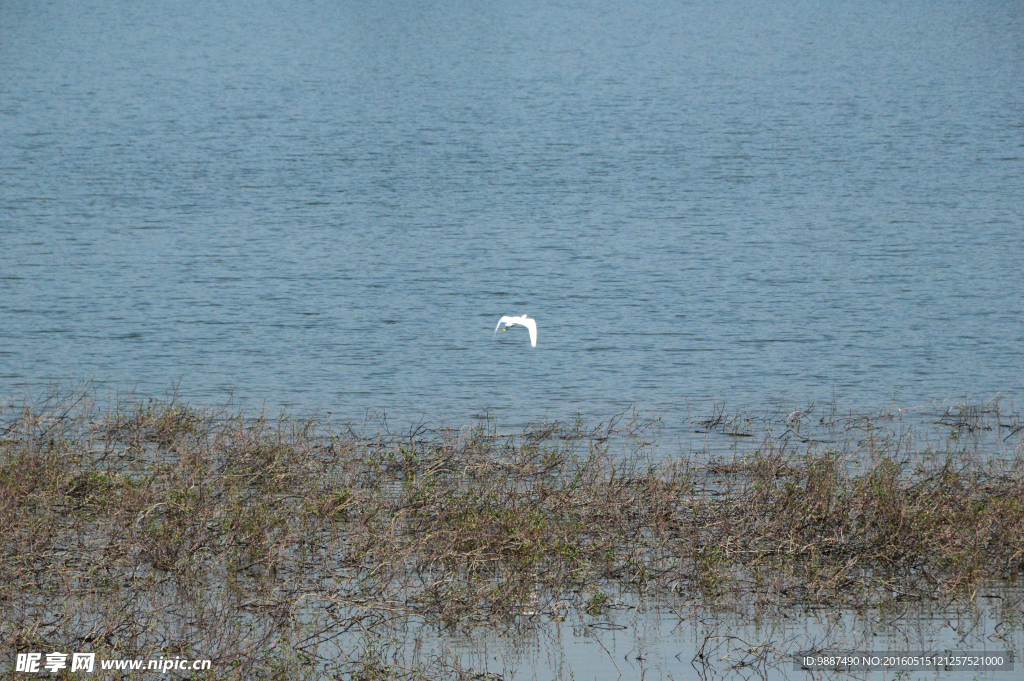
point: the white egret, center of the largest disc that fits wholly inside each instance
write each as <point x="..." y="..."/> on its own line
<point x="509" y="322"/>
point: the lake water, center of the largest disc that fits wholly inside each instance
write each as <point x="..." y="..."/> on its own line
<point x="332" y="203"/>
<point x="676" y="643"/>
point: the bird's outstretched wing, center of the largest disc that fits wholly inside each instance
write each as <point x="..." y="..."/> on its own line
<point x="532" y="326"/>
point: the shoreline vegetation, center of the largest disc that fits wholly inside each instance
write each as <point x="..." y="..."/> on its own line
<point x="148" y="529"/>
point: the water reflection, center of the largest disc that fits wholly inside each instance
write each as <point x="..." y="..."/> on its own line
<point x="637" y="639"/>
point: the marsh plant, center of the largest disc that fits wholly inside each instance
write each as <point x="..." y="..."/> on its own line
<point x="292" y="548"/>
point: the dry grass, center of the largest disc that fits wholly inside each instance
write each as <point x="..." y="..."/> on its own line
<point x="153" y="529"/>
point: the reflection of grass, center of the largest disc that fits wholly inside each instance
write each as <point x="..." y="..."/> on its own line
<point x="155" y="528"/>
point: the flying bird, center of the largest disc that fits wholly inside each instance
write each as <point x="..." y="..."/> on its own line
<point x="509" y="322"/>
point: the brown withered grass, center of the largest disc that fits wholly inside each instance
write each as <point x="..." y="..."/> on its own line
<point x="152" y="528"/>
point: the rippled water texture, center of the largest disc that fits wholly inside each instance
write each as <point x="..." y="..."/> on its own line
<point x="332" y="203"/>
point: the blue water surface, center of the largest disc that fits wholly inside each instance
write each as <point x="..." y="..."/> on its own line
<point x="332" y="203"/>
